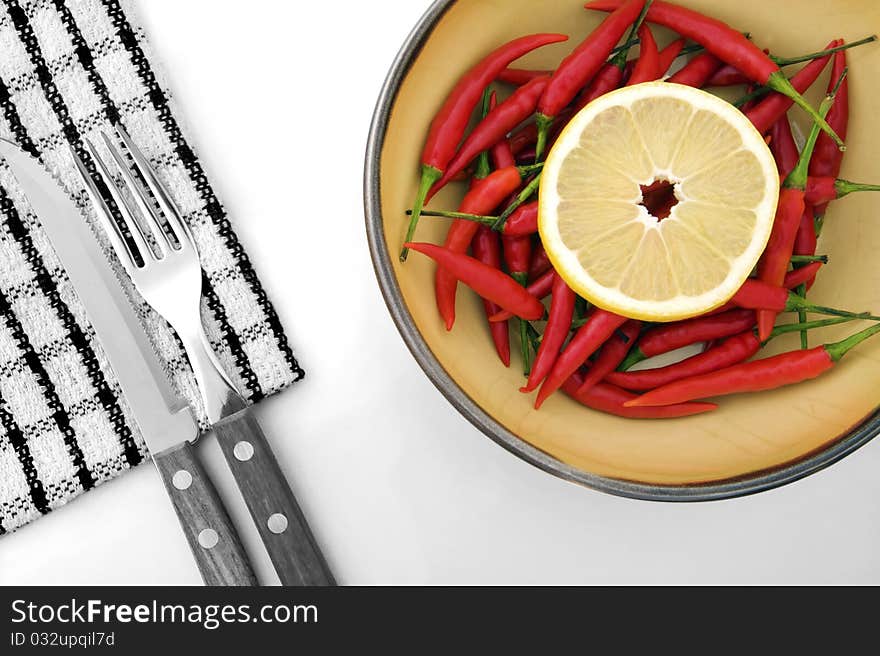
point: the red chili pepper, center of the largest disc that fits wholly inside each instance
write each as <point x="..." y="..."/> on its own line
<point x="582" y="64"/>
<point x="783" y="147"/>
<point x="558" y="326"/>
<point x="745" y="299"/>
<point x="728" y="76"/>
<point x="803" y="275"/>
<point x="728" y="45"/>
<point x="777" y="255"/>
<point x="729" y="352"/>
<point x="517" y="255"/>
<point x="606" y="80"/>
<point x="647" y="68"/>
<point x="541" y="288"/>
<point x="540" y="262"/>
<point x="521" y="76"/>
<point x="611" y="400"/>
<point x="523" y="222"/>
<point x="827" y="159"/>
<point x="586" y="341"/>
<point x="502" y="155"/>
<point x="492" y="129"/>
<point x="669" y="54"/>
<point x="617" y="70"/>
<point x="749" y="105"/>
<point x="527" y="156"/>
<point x="612" y="354"/>
<point x="805" y="242"/>
<point x="484" y="197"/>
<point x="823" y="190"/>
<point x="673" y="336"/>
<point x="775" y="260"/>
<point x="487" y="249"/>
<point x="450" y="123"/>
<point x="764" y="114"/>
<point x="489" y="283"/>
<point x="697" y="71"/>
<point x="758" y="376"/>
<point x="500" y="152"/>
<point x="759" y="295"/>
<point x="523" y="138"/>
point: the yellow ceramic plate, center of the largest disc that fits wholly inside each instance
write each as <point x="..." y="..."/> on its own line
<point x="753" y="441"/>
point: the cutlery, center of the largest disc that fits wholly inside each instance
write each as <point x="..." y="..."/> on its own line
<point x="157" y="250"/>
<point x="165" y="421"/>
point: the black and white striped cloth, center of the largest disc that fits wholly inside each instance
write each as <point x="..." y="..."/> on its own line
<point x="69" y="69"/>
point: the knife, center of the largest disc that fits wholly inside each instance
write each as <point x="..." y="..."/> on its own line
<point x="170" y="280"/>
<point x="165" y="420"/>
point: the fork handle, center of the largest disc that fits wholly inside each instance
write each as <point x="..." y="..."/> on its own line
<point x="212" y="537"/>
<point x="273" y="507"/>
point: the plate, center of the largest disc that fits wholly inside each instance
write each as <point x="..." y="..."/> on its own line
<point x="753" y="442"/>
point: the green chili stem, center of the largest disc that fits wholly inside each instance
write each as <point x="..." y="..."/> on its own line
<point x="837" y="350"/>
<point x="781" y="84"/>
<point x="544" y="124"/>
<point x="626" y="45"/>
<point x="619" y="59"/>
<point x="845" y="187"/>
<point x="523" y="196"/>
<point x="691" y="49"/>
<point x="797" y="303"/>
<point x="788" y="61"/>
<point x="808" y="259"/>
<point x="533" y="335"/>
<point x="807" y="325"/>
<point x="760" y="92"/>
<point x="687" y="50"/>
<point x="797" y="179"/>
<point x="526" y="171"/>
<point x="430" y="175"/>
<point x="483" y="167"/>
<point x="483" y="220"/>
<point x="802" y="317"/>
<point x="523" y="279"/>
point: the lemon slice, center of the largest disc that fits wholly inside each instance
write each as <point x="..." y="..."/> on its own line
<point x="605" y="243"/>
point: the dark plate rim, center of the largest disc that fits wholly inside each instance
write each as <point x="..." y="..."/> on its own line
<point x="714" y="491"/>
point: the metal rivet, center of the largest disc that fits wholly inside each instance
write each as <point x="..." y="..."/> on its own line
<point x="243" y="451"/>
<point x="208" y="538"/>
<point x="277" y="523"/>
<point x="182" y="479"/>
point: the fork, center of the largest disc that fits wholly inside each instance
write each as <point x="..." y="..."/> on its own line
<point x="163" y="264"/>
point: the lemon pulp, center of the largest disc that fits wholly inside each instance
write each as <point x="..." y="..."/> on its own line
<point x="605" y="243"/>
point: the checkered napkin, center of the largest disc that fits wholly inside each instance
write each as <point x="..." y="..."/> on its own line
<point x="69" y="69"/>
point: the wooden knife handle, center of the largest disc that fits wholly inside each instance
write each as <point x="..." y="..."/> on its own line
<point x="271" y="502"/>
<point x="218" y="551"/>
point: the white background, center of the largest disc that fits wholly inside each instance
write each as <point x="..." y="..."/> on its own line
<point x="399" y="488"/>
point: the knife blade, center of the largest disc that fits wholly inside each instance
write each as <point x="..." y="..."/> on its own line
<point x="164" y="419"/>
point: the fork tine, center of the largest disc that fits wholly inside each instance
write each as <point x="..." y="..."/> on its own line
<point x="125" y="211"/>
<point x="147" y="211"/>
<point x="160" y="193"/>
<point x="114" y="234"/>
